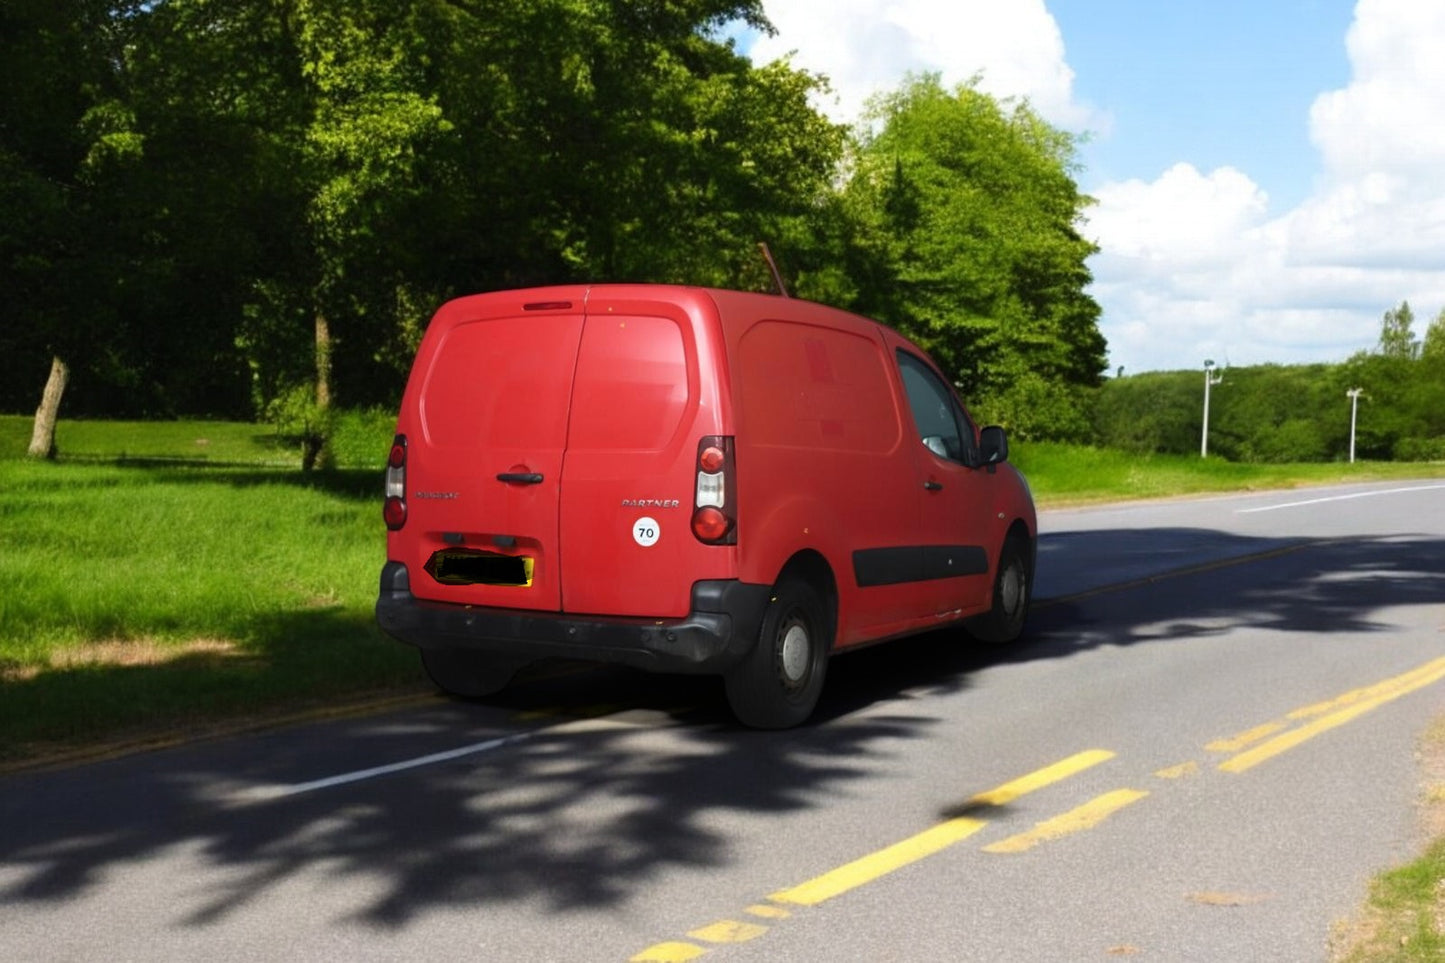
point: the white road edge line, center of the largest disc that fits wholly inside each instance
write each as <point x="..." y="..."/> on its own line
<point x="280" y="792"/>
<point x="1340" y="498"/>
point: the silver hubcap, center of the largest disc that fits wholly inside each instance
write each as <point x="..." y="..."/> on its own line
<point x="794" y="654"/>
<point x="1011" y="589"/>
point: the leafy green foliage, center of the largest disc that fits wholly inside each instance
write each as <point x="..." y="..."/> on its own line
<point x="235" y="202"/>
<point x="964" y="226"/>
<point x="1433" y="346"/>
<point x="1397" y="335"/>
<point x="66" y="149"/>
<point x="1284" y="414"/>
<point x="1158" y="412"/>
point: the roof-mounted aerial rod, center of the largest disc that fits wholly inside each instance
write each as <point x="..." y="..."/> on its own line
<point x="773" y="267"/>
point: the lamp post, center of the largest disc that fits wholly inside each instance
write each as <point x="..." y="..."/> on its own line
<point x="1354" y="395"/>
<point x="1211" y="378"/>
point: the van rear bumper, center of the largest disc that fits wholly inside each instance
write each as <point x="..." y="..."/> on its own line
<point x="721" y="628"/>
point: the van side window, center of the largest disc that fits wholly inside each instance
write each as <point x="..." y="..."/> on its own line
<point x="942" y="425"/>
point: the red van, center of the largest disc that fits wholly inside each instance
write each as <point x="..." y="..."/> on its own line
<point x="689" y="480"/>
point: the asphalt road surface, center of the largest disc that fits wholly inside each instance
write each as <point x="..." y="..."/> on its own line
<point x="1203" y="749"/>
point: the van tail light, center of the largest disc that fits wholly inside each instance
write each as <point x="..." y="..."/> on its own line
<point x="394" y="509"/>
<point x="714" y="512"/>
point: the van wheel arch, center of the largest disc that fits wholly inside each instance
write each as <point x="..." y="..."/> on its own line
<point x="1012" y="590"/>
<point x="811" y="567"/>
<point x="777" y="684"/>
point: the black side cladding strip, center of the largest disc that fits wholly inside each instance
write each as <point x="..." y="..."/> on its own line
<point x="917" y="563"/>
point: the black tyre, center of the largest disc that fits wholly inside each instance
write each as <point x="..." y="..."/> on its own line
<point x="470" y="675"/>
<point x="777" y="685"/>
<point x="1012" y="589"/>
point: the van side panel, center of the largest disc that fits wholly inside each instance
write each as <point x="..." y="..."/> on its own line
<point x="817" y="402"/>
<point x="646" y="390"/>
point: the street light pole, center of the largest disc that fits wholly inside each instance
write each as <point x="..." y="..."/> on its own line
<point x="1211" y="378"/>
<point x="1354" y="396"/>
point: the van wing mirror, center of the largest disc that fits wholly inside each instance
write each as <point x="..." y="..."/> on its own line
<point x="993" y="445"/>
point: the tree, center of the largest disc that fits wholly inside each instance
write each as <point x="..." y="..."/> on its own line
<point x="1397" y="340"/>
<point x="966" y="221"/>
<point x="63" y="233"/>
<point x="1152" y="412"/>
<point x="427" y="148"/>
<point x="1433" y="345"/>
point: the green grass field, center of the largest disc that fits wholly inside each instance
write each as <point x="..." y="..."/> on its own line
<point x="165" y="574"/>
<point x="1070" y="474"/>
<point x="172" y="575"/>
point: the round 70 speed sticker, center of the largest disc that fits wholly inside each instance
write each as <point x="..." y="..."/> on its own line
<point x="646" y="531"/>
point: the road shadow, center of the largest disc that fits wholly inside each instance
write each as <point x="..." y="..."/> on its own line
<point x="1302" y="586"/>
<point x="574" y="812"/>
<point x="583" y="808"/>
<point x="362" y="484"/>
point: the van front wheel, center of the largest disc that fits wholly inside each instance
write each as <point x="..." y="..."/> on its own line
<point x="470" y="675"/>
<point x="1004" y="622"/>
<point x="778" y="683"/>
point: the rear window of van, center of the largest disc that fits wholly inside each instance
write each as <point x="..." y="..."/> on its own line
<point x="502" y="383"/>
<point x="631" y="390"/>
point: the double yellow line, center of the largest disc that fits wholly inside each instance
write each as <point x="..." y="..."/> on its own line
<point x="845" y="878"/>
<point x="1324" y="716"/>
<point x="930" y="841"/>
<point x="1248" y="749"/>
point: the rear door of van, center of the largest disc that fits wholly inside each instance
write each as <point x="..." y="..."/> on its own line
<point x="554" y="438"/>
<point x="485" y="416"/>
<point x="649" y="387"/>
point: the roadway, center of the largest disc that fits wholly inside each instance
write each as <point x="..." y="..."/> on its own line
<point x="1203" y="749"/>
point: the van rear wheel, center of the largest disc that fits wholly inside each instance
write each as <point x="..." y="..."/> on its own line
<point x="470" y="675"/>
<point x="777" y="684"/>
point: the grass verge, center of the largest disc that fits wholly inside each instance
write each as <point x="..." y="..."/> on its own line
<point x="141" y="597"/>
<point x="167" y="574"/>
<point x="1071" y="474"/>
<point x="1403" y="920"/>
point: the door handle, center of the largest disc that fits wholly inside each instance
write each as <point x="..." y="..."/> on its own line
<point x="520" y="477"/>
<point x="933" y="486"/>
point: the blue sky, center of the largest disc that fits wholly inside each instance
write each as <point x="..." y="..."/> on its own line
<point x="1228" y="82"/>
<point x="1270" y="175"/>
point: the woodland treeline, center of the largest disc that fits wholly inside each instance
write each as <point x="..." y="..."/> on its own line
<point x="249" y="208"/>
<point x="1294" y="413"/>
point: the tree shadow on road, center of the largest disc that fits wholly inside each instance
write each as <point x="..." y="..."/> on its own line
<point x="576" y="812"/>
<point x="585" y="807"/>
<point x="1331" y="586"/>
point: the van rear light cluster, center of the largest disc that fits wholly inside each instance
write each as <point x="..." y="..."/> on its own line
<point x="714" y="519"/>
<point x="394" y="509"/>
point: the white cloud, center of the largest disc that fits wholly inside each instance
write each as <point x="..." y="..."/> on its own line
<point x="1195" y="265"/>
<point x="1184" y="217"/>
<point x="1388" y="117"/>
<point x="867" y="46"/>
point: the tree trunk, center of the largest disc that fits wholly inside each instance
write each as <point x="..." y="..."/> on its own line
<point x="42" y="439"/>
<point x="316" y="446"/>
<point x="323" y="362"/>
